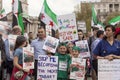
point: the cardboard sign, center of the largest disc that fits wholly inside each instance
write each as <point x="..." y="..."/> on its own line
<point x="51" y="44"/>
<point x="28" y="58"/>
<point x="11" y="40"/>
<point x="84" y="49"/>
<point x="47" y="67"/>
<point x="67" y="28"/>
<point x="77" y="69"/>
<point x="108" y="70"/>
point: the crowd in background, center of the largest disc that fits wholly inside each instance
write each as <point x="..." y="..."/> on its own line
<point x="102" y="45"/>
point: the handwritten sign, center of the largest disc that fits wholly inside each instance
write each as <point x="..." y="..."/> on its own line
<point x="28" y="58"/>
<point x="51" y="44"/>
<point x="84" y="49"/>
<point x="47" y="67"/>
<point x="77" y="70"/>
<point x="67" y="28"/>
<point x="108" y="70"/>
<point x="11" y="40"/>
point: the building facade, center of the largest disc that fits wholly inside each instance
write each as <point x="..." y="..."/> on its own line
<point x="105" y="7"/>
<point x="0" y="4"/>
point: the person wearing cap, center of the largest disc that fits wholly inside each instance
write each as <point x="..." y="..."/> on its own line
<point x="63" y="62"/>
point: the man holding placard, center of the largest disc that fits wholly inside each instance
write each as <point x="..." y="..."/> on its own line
<point x="37" y="44"/>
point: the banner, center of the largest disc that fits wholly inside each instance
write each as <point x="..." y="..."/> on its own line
<point x="11" y="40"/>
<point x="67" y="28"/>
<point x="47" y="67"/>
<point x="84" y="49"/>
<point x="108" y="70"/>
<point x="77" y="69"/>
<point x="28" y="58"/>
<point x="51" y="44"/>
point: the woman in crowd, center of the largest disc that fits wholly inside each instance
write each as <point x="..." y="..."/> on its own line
<point x="69" y="47"/>
<point x="108" y="48"/>
<point x="18" y="71"/>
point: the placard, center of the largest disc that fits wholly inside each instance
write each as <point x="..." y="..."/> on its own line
<point x="77" y="69"/>
<point x="47" y="67"/>
<point x="51" y="44"/>
<point x="12" y="41"/>
<point x="28" y="58"/>
<point x="108" y="70"/>
<point x="84" y="49"/>
<point x="67" y="28"/>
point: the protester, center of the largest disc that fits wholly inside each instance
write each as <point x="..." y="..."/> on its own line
<point x="37" y="44"/>
<point x="3" y="58"/>
<point x="100" y="35"/>
<point x="9" y="61"/>
<point x="117" y="34"/>
<point x="63" y="62"/>
<point x="81" y="35"/>
<point x="30" y="36"/>
<point x="18" y="60"/>
<point x="108" y="48"/>
<point x="69" y="47"/>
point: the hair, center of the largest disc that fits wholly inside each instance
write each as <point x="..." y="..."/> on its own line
<point x="109" y="26"/>
<point x="19" y="41"/>
<point x="15" y="29"/>
<point x="41" y="28"/>
<point x="95" y="28"/>
<point x="100" y="32"/>
<point x="29" y="32"/>
<point x="82" y="32"/>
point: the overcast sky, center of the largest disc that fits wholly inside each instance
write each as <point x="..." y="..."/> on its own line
<point x="58" y="6"/>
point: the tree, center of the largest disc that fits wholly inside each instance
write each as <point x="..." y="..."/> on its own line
<point x="84" y="14"/>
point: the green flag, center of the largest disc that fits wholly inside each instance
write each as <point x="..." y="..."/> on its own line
<point x="115" y="20"/>
<point x="94" y="16"/>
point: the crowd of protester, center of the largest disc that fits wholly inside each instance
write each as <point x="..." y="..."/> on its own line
<point x="102" y="45"/>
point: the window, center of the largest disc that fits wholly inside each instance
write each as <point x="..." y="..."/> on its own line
<point x="110" y="5"/>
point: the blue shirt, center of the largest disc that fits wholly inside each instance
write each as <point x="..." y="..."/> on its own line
<point x="104" y="48"/>
<point x="19" y="53"/>
<point x="7" y="50"/>
<point x="37" y="44"/>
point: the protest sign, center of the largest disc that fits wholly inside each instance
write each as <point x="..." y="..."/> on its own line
<point x="84" y="49"/>
<point x="11" y="40"/>
<point x="108" y="70"/>
<point x="67" y="28"/>
<point x="51" y="44"/>
<point x="77" y="69"/>
<point x="81" y="26"/>
<point x="47" y="67"/>
<point x="28" y="58"/>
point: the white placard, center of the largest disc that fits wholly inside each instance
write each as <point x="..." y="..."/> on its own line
<point x="108" y="70"/>
<point x="47" y="67"/>
<point x="28" y="58"/>
<point x="84" y="49"/>
<point x="51" y="44"/>
<point x="81" y="26"/>
<point x="77" y="69"/>
<point x="11" y="40"/>
<point x="67" y="28"/>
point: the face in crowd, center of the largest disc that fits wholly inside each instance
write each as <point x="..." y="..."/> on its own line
<point x="62" y="49"/>
<point x="69" y="46"/>
<point x="109" y="30"/>
<point x="80" y="35"/>
<point x="41" y="33"/>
